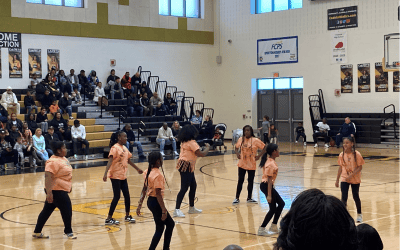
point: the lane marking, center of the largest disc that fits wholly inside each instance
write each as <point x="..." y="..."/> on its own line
<point x="11" y="247"/>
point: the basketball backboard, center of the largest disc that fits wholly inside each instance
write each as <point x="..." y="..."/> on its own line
<point x="391" y="60"/>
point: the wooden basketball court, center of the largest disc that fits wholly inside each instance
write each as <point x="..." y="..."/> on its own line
<point x="220" y="224"/>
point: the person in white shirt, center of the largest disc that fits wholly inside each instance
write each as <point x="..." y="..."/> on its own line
<point x="78" y="134"/>
<point x="10" y="102"/>
<point x="323" y="129"/>
<point x="165" y="137"/>
<point x="100" y="95"/>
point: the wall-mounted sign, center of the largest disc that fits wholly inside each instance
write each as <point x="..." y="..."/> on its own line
<point x="346" y="78"/>
<point x="277" y="50"/>
<point x="15" y="63"/>
<point x="342" y="18"/>
<point x="339" y="47"/>
<point x="53" y="59"/>
<point x="364" y="78"/>
<point x="10" y="40"/>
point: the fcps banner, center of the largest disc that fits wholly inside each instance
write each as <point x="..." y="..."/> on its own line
<point x="277" y="50"/>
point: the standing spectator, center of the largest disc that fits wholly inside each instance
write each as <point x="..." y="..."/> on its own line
<point x="265" y="129"/>
<point x="8" y="154"/>
<point x="49" y="138"/>
<point x="54" y="108"/>
<point x="301" y="132"/>
<point x="64" y="83"/>
<point x="157" y="104"/>
<point x="34" y="82"/>
<point x="135" y="82"/>
<point x="134" y="105"/>
<point x="73" y="80"/>
<point x="65" y="105"/>
<point x="41" y="119"/>
<point x="60" y="126"/>
<point x="196" y="119"/>
<point x="100" y="96"/>
<point x="93" y="79"/>
<point x="165" y="137"/>
<point x="14" y="121"/>
<point x="78" y="134"/>
<point x="112" y="76"/>
<point x="130" y="143"/>
<point x="145" y="103"/>
<point x="76" y="96"/>
<point x="3" y="114"/>
<point x="115" y="86"/>
<point x="273" y="134"/>
<point x="29" y="103"/>
<point x="323" y="130"/>
<point x="47" y="99"/>
<point x="40" y="145"/>
<point x="348" y="129"/>
<point x="32" y="125"/>
<point x="9" y="101"/>
<point x="170" y="103"/>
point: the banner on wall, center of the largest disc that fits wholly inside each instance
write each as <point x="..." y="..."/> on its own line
<point x="53" y="59"/>
<point x="35" y="63"/>
<point x="396" y="84"/>
<point x="381" y="79"/>
<point x="339" y="47"/>
<point x="364" y="78"/>
<point x="10" y="40"/>
<point x="342" y="18"/>
<point x="346" y="76"/>
<point x="277" y="50"/>
<point x="15" y="63"/>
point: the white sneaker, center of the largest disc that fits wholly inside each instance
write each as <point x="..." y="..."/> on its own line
<point x="193" y="210"/>
<point x="273" y="229"/>
<point x="86" y="157"/>
<point x="178" y="213"/>
<point x="316" y="145"/>
<point x="176" y="153"/>
<point x="305" y="143"/>
<point x="235" y="202"/>
<point x="262" y="231"/>
<point x="359" y="218"/>
<point x="296" y="141"/>
<point x="326" y="145"/>
<point x="162" y="154"/>
<point x="75" y="156"/>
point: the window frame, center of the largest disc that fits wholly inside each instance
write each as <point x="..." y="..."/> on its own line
<point x="62" y="4"/>
<point x="276" y="78"/>
<point x="184" y="10"/>
<point x="257" y="6"/>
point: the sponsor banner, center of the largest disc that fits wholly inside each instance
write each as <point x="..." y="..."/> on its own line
<point x="35" y="63"/>
<point x="10" y="40"/>
<point x="396" y="85"/>
<point x="346" y="77"/>
<point x="342" y="18"/>
<point x="53" y="59"/>
<point x="15" y="63"/>
<point x="277" y="50"/>
<point x="364" y="78"/>
<point x="381" y="79"/>
<point x="339" y="47"/>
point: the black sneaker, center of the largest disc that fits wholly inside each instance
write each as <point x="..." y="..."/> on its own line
<point x="129" y="219"/>
<point x="111" y="222"/>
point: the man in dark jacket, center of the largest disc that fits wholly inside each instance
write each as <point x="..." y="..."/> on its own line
<point x="60" y="127"/>
<point x="30" y="103"/>
<point x="136" y="81"/>
<point x="40" y="89"/>
<point x="134" y="105"/>
<point x="131" y="141"/>
<point x="84" y="82"/>
<point x="3" y="114"/>
<point x="49" y="138"/>
<point x="47" y="99"/>
<point x="170" y="103"/>
<point x="65" y="105"/>
<point x="348" y="129"/>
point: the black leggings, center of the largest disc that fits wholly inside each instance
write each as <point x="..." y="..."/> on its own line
<point x="273" y="210"/>
<point x="169" y="224"/>
<point x="118" y="186"/>
<point x="355" y="189"/>
<point x="61" y="201"/>
<point x="187" y="180"/>
<point x="250" y="179"/>
<point x="266" y="138"/>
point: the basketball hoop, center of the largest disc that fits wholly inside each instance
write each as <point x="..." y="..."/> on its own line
<point x="391" y="59"/>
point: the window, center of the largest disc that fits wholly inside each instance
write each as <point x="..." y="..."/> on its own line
<point x="264" y="6"/>
<point x="179" y="8"/>
<point x="280" y="83"/>
<point x="67" y="3"/>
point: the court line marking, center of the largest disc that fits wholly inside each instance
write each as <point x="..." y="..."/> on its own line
<point x="259" y="244"/>
<point x="393" y="215"/>
<point x="11" y="247"/>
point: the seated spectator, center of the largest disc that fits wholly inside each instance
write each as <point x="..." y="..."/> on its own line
<point x="10" y="102"/>
<point x="49" y="138"/>
<point x="26" y="132"/>
<point x="21" y="151"/>
<point x="134" y="105"/>
<point x="323" y="130"/>
<point x="54" y="90"/>
<point x="131" y="140"/>
<point x="368" y="238"/>
<point x="301" y="132"/>
<point x="3" y="114"/>
<point x="145" y="89"/>
<point x="78" y="133"/>
<point x="42" y="120"/>
<point x="60" y="127"/>
<point x="84" y="82"/>
<point x="28" y="143"/>
<point x="115" y="86"/>
<point x="65" y="105"/>
<point x="176" y="128"/>
<point x="29" y="103"/>
<point x="47" y="99"/>
<point x="7" y="153"/>
<point x="73" y="80"/>
<point x="53" y="75"/>
<point x="196" y="119"/>
<point x="157" y="104"/>
<point x="170" y="103"/>
<point x="317" y="221"/>
<point x="217" y="135"/>
<point x="32" y="125"/>
<point x="40" y="145"/>
<point x="54" y="108"/>
<point x="100" y="96"/>
<point x="348" y="129"/>
<point x="111" y="77"/>
<point x="135" y="82"/>
<point x="33" y="83"/>
<point x="206" y="129"/>
<point x="145" y="103"/>
<point x="76" y="96"/>
<point x="64" y="83"/>
<point x="93" y="80"/>
<point x="14" y="121"/>
<point x="14" y="134"/>
<point x="165" y="137"/>
<point x="40" y="90"/>
<point x="126" y="83"/>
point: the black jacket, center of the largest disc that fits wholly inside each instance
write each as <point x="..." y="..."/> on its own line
<point x="130" y="135"/>
<point x="58" y="124"/>
<point x="41" y="88"/>
<point x="111" y="78"/>
<point x="3" y="111"/>
<point x="145" y="102"/>
<point x="48" y="139"/>
<point x="41" y="118"/>
<point x="28" y="101"/>
<point x="14" y="136"/>
<point x="136" y="80"/>
<point x="348" y="129"/>
<point x="47" y="100"/>
<point x="32" y="125"/>
<point x="64" y="103"/>
<point x="168" y="102"/>
<point x="10" y="123"/>
<point x="133" y="101"/>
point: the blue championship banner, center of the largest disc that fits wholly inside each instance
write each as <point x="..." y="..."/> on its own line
<point x="277" y="50"/>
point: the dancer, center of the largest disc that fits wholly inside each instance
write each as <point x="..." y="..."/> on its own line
<point x="190" y="150"/>
<point x="248" y="145"/>
<point x="350" y="165"/>
<point x="117" y="166"/>
<point x="58" y="176"/>
<point x="154" y="184"/>
<point x="270" y="172"/>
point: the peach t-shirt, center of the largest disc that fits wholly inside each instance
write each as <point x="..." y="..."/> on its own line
<point x="248" y="152"/>
<point x="188" y="150"/>
<point x="349" y="165"/>
<point x="53" y="108"/>
<point x="62" y="171"/>
<point x="270" y="169"/>
<point x="155" y="180"/>
<point x="119" y="165"/>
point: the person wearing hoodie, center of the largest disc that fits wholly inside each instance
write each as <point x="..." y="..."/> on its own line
<point x="134" y="105"/>
<point x="65" y="105"/>
<point x="130" y="143"/>
<point x="93" y="79"/>
<point x="63" y="82"/>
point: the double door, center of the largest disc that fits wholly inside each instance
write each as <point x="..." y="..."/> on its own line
<point x="284" y="108"/>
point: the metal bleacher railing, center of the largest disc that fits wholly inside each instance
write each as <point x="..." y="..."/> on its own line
<point x="391" y="115"/>
<point x="187" y="108"/>
<point x="152" y="83"/>
<point x="161" y="88"/>
<point x="316" y="107"/>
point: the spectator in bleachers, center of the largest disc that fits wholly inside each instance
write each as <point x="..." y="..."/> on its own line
<point x="10" y="102"/>
<point x="145" y="89"/>
<point x="32" y="125"/>
<point x="14" y="121"/>
<point x="176" y="129"/>
<point x="145" y="103"/>
<point x="196" y="119"/>
<point x="14" y="134"/>
<point x="40" y="145"/>
<point x="115" y="86"/>
<point x="32" y="86"/>
<point x="74" y="80"/>
<point x="78" y="133"/>
<point x="165" y="137"/>
<point x="29" y="103"/>
<point x="27" y="141"/>
<point x="206" y="129"/>
<point x="84" y="82"/>
<point x="323" y="130"/>
<point x="170" y="103"/>
<point x="112" y="76"/>
<point x="49" y="138"/>
<point x="64" y="83"/>
<point x="42" y="120"/>
<point x="40" y="90"/>
<point x="158" y="104"/>
<point x="65" y="105"/>
<point x="135" y="82"/>
<point x="93" y="79"/>
<point x="131" y="142"/>
<point x="76" y="96"/>
<point x="126" y="83"/>
<point x="3" y="114"/>
<point x="55" y="90"/>
<point x="7" y="153"/>
<point x="100" y="96"/>
<point x="348" y="129"/>
<point x="60" y="126"/>
<point x="47" y="99"/>
<point x="53" y="75"/>
<point x="54" y="108"/>
<point x="134" y="105"/>
<point x="22" y="151"/>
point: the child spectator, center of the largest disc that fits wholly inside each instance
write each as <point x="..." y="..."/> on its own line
<point x="54" y="108"/>
<point x="76" y="96"/>
<point x="265" y="129"/>
<point x="273" y="135"/>
<point x="300" y="132"/>
<point x="30" y="103"/>
<point x="41" y="120"/>
<point x="20" y="147"/>
<point x="217" y="136"/>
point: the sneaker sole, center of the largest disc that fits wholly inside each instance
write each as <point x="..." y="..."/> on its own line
<point x="108" y="224"/>
<point x="195" y="212"/>
<point x="177" y="216"/>
<point x="131" y="221"/>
